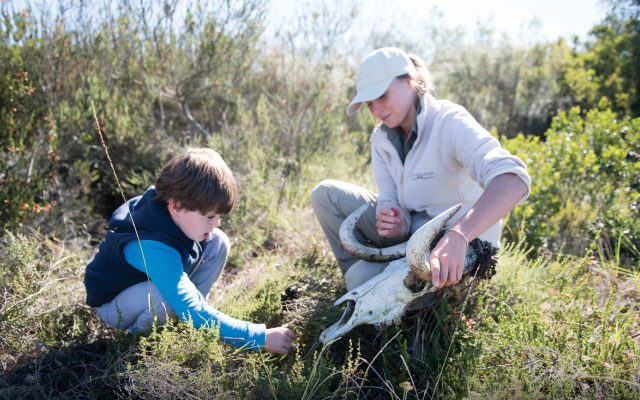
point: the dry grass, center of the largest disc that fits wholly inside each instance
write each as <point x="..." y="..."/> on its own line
<point x="51" y="350"/>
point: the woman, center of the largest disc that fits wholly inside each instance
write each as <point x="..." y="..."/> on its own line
<point x="427" y="155"/>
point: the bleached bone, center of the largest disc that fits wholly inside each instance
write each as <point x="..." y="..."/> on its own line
<point x="360" y="251"/>
<point x="387" y="297"/>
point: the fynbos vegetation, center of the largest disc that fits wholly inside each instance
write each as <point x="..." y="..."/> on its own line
<point x="559" y="320"/>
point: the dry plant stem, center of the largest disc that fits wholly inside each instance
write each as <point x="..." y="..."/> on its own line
<point x="313" y="371"/>
<point x="63" y="306"/>
<point x="273" y="390"/>
<point x="319" y="384"/>
<point x="374" y="359"/>
<point x="31" y="296"/>
<point x="464" y="305"/>
<point x="411" y="377"/>
<point x="104" y="145"/>
<point x="385" y="381"/>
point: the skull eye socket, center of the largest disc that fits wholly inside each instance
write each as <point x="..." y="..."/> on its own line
<point x="413" y="283"/>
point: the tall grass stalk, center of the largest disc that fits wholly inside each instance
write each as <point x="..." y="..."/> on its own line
<point x="268" y="372"/>
<point x="152" y="306"/>
<point x="313" y="371"/>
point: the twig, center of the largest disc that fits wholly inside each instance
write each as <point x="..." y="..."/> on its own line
<point x="411" y="377"/>
<point x="104" y="145"/>
<point x="185" y="110"/>
<point x="464" y="305"/>
<point x="495" y="366"/>
<point x="374" y="359"/>
<point x="31" y="296"/>
<point x="273" y="390"/>
<point x="315" y="366"/>
<point x="33" y="159"/>
<point x="62" y="306"/>
<point x="385" y="381"/>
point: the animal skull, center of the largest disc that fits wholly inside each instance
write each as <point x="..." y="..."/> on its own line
<point x="403" y="286"/>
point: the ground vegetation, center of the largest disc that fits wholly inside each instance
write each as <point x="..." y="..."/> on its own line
<point x="559" y="320"/>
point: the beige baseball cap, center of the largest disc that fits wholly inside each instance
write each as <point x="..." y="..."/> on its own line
<point x="376" y="73"/>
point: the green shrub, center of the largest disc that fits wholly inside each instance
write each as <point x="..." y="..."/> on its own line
<point x="28" y="153"/>
<point x="584" y="184"/>
<point x="552" y="328"/>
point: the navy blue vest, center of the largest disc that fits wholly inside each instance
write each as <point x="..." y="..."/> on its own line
<point x="109" y="273"/>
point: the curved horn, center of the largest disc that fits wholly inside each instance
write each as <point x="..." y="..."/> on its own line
<point x="418" y="245"/>
<point x="357" y="249"/>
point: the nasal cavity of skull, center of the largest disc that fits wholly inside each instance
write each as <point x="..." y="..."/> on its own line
<point x="413" y="283"/>
<point x="348" y="312"/>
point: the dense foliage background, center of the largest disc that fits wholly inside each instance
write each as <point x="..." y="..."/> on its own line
<point x="556" y="322"/>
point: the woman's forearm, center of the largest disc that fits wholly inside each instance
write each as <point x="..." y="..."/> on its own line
<point x="498" y="199"/>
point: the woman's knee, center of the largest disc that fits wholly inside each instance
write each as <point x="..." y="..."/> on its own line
<point x="361" y="271"/>
<point x="320" y="194"/>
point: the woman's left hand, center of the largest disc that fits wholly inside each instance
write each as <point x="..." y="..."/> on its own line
<point x="447" y="260"/>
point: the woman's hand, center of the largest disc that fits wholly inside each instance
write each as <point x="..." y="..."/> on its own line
<point x="391" y="222"/>
<point x="279" y="340"/>
<point x="447" y="260"/>
<point x="500" y="197"/>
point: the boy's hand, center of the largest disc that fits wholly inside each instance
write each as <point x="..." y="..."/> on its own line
<point x="279" y="340"/>
<point x="391" y="222"/>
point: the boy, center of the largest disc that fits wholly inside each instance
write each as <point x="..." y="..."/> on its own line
<point x="183" y="254"/>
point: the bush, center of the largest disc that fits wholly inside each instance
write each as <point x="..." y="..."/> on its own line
<point x="28" y="157"/>
<point x="584" y="184"/>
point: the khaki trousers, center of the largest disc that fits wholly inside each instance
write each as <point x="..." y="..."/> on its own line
<point x="332" y="202"/>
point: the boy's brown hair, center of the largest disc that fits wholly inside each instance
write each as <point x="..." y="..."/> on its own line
<point x="200" y="180"/>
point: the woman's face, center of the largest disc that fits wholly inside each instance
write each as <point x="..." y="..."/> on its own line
<point x="394" y="107"/>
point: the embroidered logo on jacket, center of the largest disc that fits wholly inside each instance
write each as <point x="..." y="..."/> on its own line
<point x="423" y="175"/>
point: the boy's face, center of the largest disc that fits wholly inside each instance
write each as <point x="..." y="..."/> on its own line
<point x="193" y="224"/>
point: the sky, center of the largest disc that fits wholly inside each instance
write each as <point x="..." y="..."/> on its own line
<point x="554" y="18"/>
<point x="524" y="21"/>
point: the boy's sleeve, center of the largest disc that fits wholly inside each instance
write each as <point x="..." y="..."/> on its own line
<point x="164" y="268"/>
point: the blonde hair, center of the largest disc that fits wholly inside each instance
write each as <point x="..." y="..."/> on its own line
<point x="422" y="78"/>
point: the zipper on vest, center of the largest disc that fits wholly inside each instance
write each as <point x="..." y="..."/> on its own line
<point x="201" y="258"/>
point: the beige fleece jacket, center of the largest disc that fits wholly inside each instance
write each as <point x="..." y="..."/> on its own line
<point x="451" y="162"/>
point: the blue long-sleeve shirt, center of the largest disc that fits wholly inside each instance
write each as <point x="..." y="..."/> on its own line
<point x="165" y="269"/>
